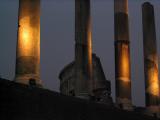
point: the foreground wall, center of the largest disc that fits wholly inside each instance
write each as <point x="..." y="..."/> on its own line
<point x="20" y="102"/>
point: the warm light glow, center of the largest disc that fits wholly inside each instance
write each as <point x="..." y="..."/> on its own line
<point x="125" y="67"/>
<point x="89" y="48"/>
<point x="90" y="68"/>
<point x="25" y="36"/>
<point x="28" y="41"/>
<point x="153" y="81"/>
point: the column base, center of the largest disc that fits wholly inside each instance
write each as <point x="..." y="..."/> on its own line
<point x="153" y="111"/>
<point x="83" y="96"/>
<point x="28" y="79"/>
<point x="124" y="103"/>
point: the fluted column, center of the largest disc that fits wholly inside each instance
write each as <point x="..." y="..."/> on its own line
<point x="28" y="43"/>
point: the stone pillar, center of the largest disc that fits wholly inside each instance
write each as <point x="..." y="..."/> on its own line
<point x="83" y="49"/>
<point x="28" y="43"/>
<point x="150" y="59"/>
<point x="122" y="55"/>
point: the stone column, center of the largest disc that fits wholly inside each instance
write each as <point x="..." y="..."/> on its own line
<point x="122" y="55"/>
<point x="150" y="59"/>
<point x="28" y="43"/>
<point x="83" y="49"/>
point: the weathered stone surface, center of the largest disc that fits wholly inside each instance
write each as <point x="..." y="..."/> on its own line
<point x="122" y="54"/>
<point x="102" y="88"/>
<point x="150" y="58"/>
<point x="28" y="63"/>
<point x="83" y="49"/>
<point x="28" y="43"/>
<point x="121" y="26"/>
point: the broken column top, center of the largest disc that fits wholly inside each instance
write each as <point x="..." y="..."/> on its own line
<point x="148" y="6"/>
<point x="146" y="3"/>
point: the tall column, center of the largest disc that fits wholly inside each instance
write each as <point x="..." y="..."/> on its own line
<point x="28" y="43"/>
<point x="150" y="58"/>
<point x="122" y="54"/>
<point x="83" y="49"/>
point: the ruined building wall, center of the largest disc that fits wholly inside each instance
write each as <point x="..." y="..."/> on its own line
<point x="67" y="79"/>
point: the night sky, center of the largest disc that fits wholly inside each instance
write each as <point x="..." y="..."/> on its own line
<point x="57" y="40"/>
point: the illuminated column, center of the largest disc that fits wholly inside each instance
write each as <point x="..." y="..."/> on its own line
<point x="28" y="43"/>
<point x="122" y="55"/>
<point x="150" y="58"/>
<point x="83" y="49"/>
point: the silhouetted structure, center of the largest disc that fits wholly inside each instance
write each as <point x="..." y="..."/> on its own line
<point x="22" y="102"/>
<point x="102" y="88"/>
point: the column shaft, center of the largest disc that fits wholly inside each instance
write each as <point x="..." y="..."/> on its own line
<point x="28" y="43"/>
<point x="150" y="57"/>
<point x="83" y="48"/>
<point x="122" y="54"/>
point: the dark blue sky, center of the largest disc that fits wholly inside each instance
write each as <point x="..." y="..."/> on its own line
<point x="57" y="40"/>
